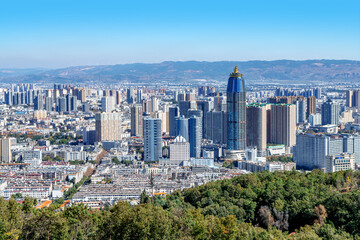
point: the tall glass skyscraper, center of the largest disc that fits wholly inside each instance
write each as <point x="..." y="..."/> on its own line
<point x="236" y="111"/>
<point x="182" y="127"/>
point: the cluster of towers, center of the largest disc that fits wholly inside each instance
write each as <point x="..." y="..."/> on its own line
<point x="63" y="98"/>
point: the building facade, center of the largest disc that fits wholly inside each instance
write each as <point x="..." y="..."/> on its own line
<point x="152" y="139"/>
<point x="236" y="111"/>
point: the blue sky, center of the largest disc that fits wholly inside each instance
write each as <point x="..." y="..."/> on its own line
<point x="60" y="33"/>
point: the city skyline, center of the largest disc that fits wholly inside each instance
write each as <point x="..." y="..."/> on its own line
<point x="48" y="35"/>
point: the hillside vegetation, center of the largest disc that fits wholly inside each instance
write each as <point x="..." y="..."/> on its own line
<point x="289" y="205"/>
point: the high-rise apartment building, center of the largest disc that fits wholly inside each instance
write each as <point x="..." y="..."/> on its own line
<point x="300" y="110"/>
<point x="136" y="121"/>
<point x="5" y="150"/>
<point x="330" y="112"/>
<point x="39" y="102"/>
<point x="61" y="105"/>
<point x="256" y="123"/>
<point x="311" y="149"/>
<point x="108" y="104"/>
<point x="154" y="104"/>
<point x="152" y="139"/>
<point x="283" y="124"/>
<point x="311" y="106"/>
<point x="108" y="126"/>
<point x="49" y="104"/>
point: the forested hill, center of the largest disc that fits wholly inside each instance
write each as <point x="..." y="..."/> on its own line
<point x="180" y="72"/>
<point x="289" y="205"/>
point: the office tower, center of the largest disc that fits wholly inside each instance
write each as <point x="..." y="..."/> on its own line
<point x="283" y="124"/>
<point x="195" y="135"/>
<point x="136" y="121"/>
<point x="311" y="106"/>
<point x="107" y="104"/>
<point x="315" y="119"/>
<point x="256" y="126"/>
<point x="173" y="114"/>
<point x="108" y="126"/>
<point x="236" y="111"/>
<point x="154" y="104"/>
<point x="300" y="110"/>
<point x="5" y="150"/>
<point x="182" y="127"/>
<point x="39" y="103"/>
<point x="179" y="150"/>
<point x="139" y="96"/>
<point x="341" y="162"/>
<point x="152" y="139"/>
<point x="330" y="113"/>
<point x="216" y="127"/>
<point x="130" y="95"/>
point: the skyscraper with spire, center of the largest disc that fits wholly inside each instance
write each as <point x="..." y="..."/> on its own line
<point x="236" y="112"/>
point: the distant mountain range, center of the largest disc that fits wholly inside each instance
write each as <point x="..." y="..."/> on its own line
<point x="177" y="72"/>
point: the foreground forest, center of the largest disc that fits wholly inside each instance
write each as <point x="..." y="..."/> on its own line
<point x="289" y="205"/>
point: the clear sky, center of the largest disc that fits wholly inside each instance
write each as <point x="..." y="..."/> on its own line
<point x="59" y="33"/>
